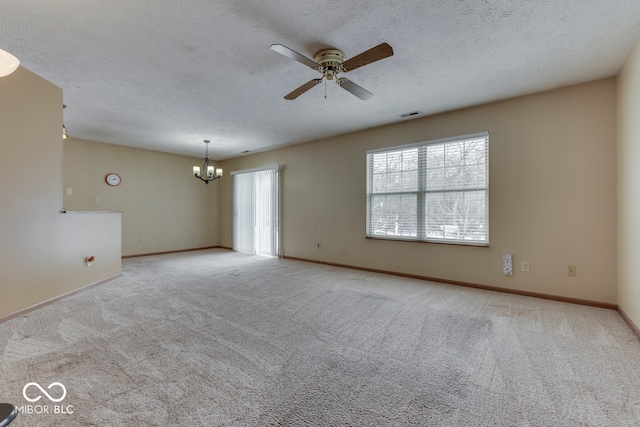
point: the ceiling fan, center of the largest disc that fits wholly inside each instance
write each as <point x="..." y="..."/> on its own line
<point x="331" y="62"/>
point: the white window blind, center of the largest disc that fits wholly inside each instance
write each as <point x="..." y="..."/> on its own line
<point x="436" y="191"/>
<point x="255" y="212"/>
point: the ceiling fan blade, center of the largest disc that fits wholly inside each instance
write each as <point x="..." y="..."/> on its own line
<point x="354" y="89"/>
<point x="374" y="54"/>
<point x="302" y="89"/>
<point x="283" y="50"/>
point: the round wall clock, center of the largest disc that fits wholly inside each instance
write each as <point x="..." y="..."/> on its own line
<point x="113" y="179"/>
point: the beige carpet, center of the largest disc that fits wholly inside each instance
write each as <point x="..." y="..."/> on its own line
<point x="217" y="338"/>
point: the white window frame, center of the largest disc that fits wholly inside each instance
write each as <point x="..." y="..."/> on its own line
<point x="421" y="191"/>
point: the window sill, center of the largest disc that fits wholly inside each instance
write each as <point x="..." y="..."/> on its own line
<point x="437" y="242"/>
<point x="64" y="211"/>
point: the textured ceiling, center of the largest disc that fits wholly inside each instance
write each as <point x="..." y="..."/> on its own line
<point x="166" y="74"/>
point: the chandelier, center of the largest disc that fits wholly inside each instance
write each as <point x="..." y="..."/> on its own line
<point x="208" y="173"/>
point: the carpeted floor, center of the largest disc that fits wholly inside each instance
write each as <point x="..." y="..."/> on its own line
<point x="217" y="338"/>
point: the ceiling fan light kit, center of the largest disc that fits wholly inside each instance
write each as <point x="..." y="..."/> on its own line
<point x="330" y="63"/>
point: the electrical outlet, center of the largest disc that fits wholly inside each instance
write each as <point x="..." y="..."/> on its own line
<point x="98" y="201"/>
<point x="141" y="240"/>
<point x="317" y="244"/>
<point x="571" y="270"/>
<point x="525" y="266"/>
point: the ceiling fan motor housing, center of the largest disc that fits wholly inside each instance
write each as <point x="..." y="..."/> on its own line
<point x="330" y="61"/>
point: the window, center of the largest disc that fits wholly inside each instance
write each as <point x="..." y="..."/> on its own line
<point x="436" y="191"/>
<point x="255" y="211"/>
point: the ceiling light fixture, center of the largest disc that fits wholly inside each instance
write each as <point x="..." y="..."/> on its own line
<point x="8" y="63"/>
<point x="65" y="135"/>
<point x="208" y="173"/>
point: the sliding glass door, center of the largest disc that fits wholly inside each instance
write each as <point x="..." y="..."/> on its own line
<point x="255" y="211"/>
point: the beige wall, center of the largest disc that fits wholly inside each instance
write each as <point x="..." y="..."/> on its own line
<point x="162" y="203"/>
<point x="629" y="186"/>
<point x="552" y="195"/>
<point x="42" y="251"/>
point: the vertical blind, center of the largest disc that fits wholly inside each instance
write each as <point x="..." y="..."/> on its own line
<point x="255" y="211"/>
<point x="432" y="191"/>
